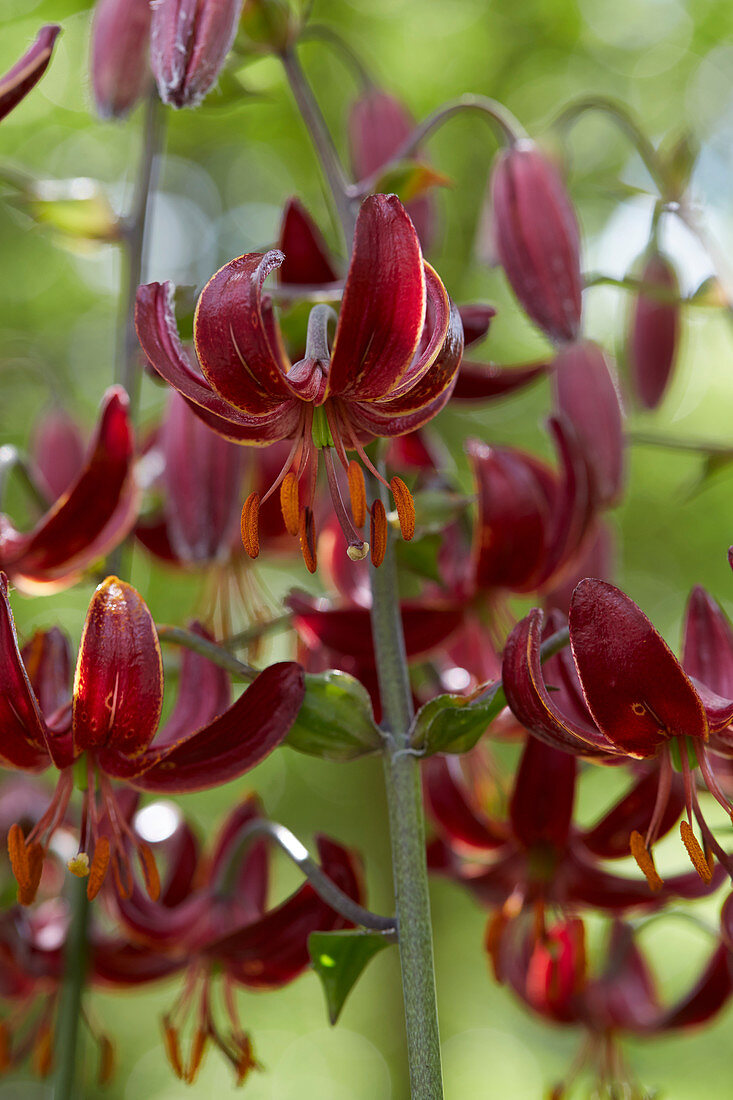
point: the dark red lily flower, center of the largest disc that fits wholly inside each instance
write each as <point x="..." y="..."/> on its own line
<point x="537" y="239"/>
<point x="92" y="516"/>
<point x="586" y="394"/>
<point x="57" y="451"/>
<point x="637" y="702"/>
<point x="392" y="366"/>
<point x="189" y="42"/>
<point x="378" y="125"/>
<point x="109" y="731"/>
<point x="221" y="925"/>
<point x="26" y="73"/>
<point x="533" y="520"/>
<point x="654" y="333"/>
<point x="120" y="47"/>
<point x="538" y="859"/>
<point x="552" y="977"/>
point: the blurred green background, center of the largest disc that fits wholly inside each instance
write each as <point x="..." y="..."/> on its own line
<point x="227" y="172"/>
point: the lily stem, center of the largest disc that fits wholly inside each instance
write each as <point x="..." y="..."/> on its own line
<point x="407" y="835"/>
<point x="135" y="237"/>
<point x="327" y="890"/>
<point x="319" y="133"/>
<point x="69" y="1014"/>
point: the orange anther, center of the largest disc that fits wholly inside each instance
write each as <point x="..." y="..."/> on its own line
<point x="697" y="857"/>
<point x="43" y="1052"/>
<point x="645" y="860"/>
<point x="357" y="493"/>
<point x="150" y="870"/>
<point x="307" y="532"/>
<point x="34" y="858"/>
<point x="198" y="1048"/>
<point x="246" y="1061"/>
<point x="124" y="889"/>
<point x="250" y="525"/>
<point x="172" y="1049"/>
<point x="18" y="856"/>
<point x="106" y="1060"/>
<point x="289" y="503"/>
<point x="378" y="533"/>
<point x="405" y="507"/>
<point x="492" y="938"/>
<point x="98" y="869"/>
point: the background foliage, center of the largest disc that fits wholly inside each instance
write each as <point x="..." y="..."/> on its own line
<point x="230" y="165"/>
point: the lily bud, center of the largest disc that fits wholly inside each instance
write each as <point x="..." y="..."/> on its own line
<point x="189" y="42"/>
<point x="654" y="333"/>
<point x="378" y="125"/>
<point x="537" y="239"/>
<point x="119" y="55"/>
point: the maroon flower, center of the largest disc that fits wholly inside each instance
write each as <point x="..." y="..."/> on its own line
<point x="93" y="514"/>
<point x="120" y="55"/>
<point x="57" y="452"/>
<point x="307" y="260"/>
<point x="223" y="929"/>
<point x="585" y="393"/>
<point x="108" y="729"/>
<point x="625" y="694"/>
<point x="189" y="41"/>
<point x="26" y="73"/>
<point x="654" y="332"/>
<point x="388" y="372"/>
<point x="537" y="239"/>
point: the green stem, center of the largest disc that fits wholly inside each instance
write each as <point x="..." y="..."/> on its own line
<point x="407" y="835"/>
<point x="128" y="352"/>
<point x="670" y="443"/>
<point x="323" y="144"/>
<point x="178" y="635"/>
<point x="69" y="1013"/>
<point x="509" y="129"/>
<point x="623" y="118"/>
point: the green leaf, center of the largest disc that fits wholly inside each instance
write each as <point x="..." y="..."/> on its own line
<point x="75" y="208"/>
<point x="336" y="720"/>
<point x="339" y="958"/>
<point x="454" y="723"/>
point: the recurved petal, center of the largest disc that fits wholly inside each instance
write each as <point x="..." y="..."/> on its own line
<point x="16" y="83"/>
<point x="156" y="329"/>
<point x="227" y="747"/>
<point x="707" y="646"/>
<point x="383" y="307"/>
<point x="488" y="381"/>
<point x="531" y="702"/>
<point x="307" y="261"/>
<point x="252" y="879"/>
<point x="710" y="993"/>
<point x="68" y="537"/>
<point x="118" y="686"/>
<point x="203" y="694"/>
<point x="634" y="686"/>
<point x="541" y="806"/>
<point x="22" y="729"/>
<point x="585" y="393"/>
<point x="47" y="660"/>
<point x="512" y="531"/>
<point x="273" y="950"/>
<point x="57" y="450"/>
<point x="454" y="812"/>
<point x="347" y="630"/>
<point x="117" y="962"/>
<point x="475" y="320"/>
<point x="237" y="342"/>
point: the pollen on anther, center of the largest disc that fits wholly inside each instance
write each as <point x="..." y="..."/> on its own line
<point x="697" y="857"/>
<point x="378" y="533"/>
<point x="150" y="871"/>
<point x="250" y="525"/>
<point x="357" y="493"/>
<point x="405" y="507"/>
<point x="98" y="869"/>
<point x="645" y="860"/>
<point x="307" y="532"/>
<point x="289" y="504"/>
<point x="172" y="1049"/>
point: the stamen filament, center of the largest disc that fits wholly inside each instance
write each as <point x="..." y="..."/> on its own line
<point x="357" y="549"/>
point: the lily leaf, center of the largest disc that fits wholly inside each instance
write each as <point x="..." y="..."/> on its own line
<point x="339" y="958"/>
<point x="454" y="723"/>
<point x="336" y="720"/>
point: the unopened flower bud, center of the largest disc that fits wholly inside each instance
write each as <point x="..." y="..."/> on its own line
<point x="537" y="239"/>
<point x="189" y="42"/>
<point x="654" y="332"/>
<point x="120" y="55"/>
